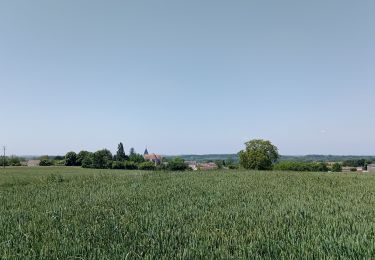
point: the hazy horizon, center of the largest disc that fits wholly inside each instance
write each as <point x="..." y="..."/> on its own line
<point x="187" y="77"/>
<point x="287" y="155"/>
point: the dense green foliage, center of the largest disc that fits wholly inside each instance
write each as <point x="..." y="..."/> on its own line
<point x="337" y="167"/>
<point x="125" y="165"/>
<point x="11" y="161"/>
<point x="45" y="162"/>
<point x="130" y="165"/>
<point x="356" y="163"/>
<point x="258" y="155"/>
<point x="87" y="161"/>
<point x="81" y="156"/>
<point x="147" y="166"/>
<point x="177" y="164"/>
<point x="118" y="165"/>
<point x="75" y="213"/>
<point x="136" y="158"/>
<point x="71" y="159"/>
<point x="301" y="166"/>
<point x="102" y="159"/>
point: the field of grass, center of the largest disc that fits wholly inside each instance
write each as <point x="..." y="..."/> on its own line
<point x="74" y="213"/>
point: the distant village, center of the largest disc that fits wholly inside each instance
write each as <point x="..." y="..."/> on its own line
<point x="104" y="159"/>
<point x="157" y="159"/>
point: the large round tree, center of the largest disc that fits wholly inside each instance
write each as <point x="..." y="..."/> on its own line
<point x="71" y="159"/>
<point x="258" y="155"/>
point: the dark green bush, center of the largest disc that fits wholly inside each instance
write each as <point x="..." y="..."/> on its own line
<point x="102" y="159"/>
<point x="137" y="158"/>
<point x="128" y="165"/>
<point x="148" y="166"/>
<point x="71" y="159"/>
<point x="356" y="163"/>
<point x="301" y="166"/>
<point x="336" y="167"/>
<point x="87" y="162"/>
<point x="45" y="162"/>
<point x="81" y="156"/>
<point x="177" y="164"/>
<point x="118" y="165"/>
<point x="59" y="162"/>
<point x="14" y="161"/>
<point x="233" y="166"/>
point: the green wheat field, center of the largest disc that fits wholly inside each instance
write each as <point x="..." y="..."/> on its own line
<point x="74" y="213"/>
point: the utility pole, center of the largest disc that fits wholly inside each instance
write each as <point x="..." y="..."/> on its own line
<point x="4" y="157"/>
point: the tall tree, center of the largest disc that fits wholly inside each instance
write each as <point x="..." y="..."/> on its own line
<point x="120" y="155"/>
<point x="132" y="151"/>
<point x="102" y="159"/>
<point x="259" y="155"/>
<point x="71" y="159"/>
<point x="81" y="156"/>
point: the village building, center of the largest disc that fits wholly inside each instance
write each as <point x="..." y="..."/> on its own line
<point x="155" y="158"/>
<point x="207" y="166"/>
<point x="33" y="163"/>
<point x="192" y="165"/>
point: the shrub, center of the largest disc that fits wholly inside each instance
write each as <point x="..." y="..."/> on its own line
<point x="128" y="165"/>
<point x="336" y="167"/>
<point x="301" y="166"/>
<point x="233" y="166"/>
<point x="220" y="164"/>
<point x="59" y="162"/>
<point x="45" y="162"/>
<point x="148" y="166"/>
<point x="118" y="165"/>
<point x="13" y="161"/>
<point x="177" y="164"/>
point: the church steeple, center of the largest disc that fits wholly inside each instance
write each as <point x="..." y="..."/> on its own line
<point x="146" y="152"/>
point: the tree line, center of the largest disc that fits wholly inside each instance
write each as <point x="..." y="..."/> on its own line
<point x="258" y="155"/>
<point x="103" y="159"/>
<point x="11" y="161"/>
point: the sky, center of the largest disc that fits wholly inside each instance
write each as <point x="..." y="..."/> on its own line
<point x="187" y="76"/>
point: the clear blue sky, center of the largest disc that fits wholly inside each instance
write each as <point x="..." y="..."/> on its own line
<point x="187" y="76"/>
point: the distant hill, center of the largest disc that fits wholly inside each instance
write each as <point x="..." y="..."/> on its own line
<point x="207" y="157"/>
<point x="296" y="158"/>
<point x="325" y="158"/>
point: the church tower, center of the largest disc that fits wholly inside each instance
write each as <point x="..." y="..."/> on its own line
<point x="146" y="152"/>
